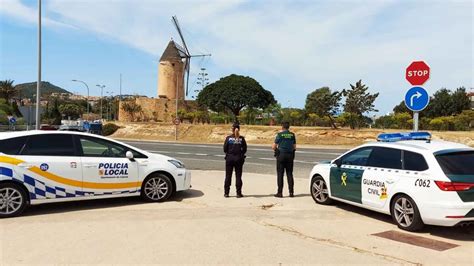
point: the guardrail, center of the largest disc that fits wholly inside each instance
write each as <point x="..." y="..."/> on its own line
<point x="6" y="128"/>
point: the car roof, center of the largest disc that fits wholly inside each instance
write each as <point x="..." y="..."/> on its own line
<point x="432" y="146"/>
<point x="14" y="134"/>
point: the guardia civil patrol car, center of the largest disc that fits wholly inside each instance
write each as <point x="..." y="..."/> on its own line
<point x="50" y="166"/>
<point x="407" y="175"/>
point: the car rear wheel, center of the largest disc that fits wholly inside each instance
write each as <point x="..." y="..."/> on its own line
<point x="319" y="191"/>
<point x="405" y="213"/>
<point x="157" y="188"/>
<point x="13" y="200"/>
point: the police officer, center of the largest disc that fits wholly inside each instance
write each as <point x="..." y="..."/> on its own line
<point x="285" y="147"/>
<point x="235" y="148"/>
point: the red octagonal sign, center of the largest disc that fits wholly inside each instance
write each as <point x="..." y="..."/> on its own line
<point x="418" y="72"/>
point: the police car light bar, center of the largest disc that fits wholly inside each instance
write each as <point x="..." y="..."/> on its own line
<point x="392" y="137"/>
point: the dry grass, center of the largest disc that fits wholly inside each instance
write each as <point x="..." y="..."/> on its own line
<point x="314" y="136"/>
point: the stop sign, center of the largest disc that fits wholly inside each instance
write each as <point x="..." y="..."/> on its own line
<point x="418" y="72"/>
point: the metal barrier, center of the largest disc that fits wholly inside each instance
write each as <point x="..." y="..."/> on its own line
<point x="6" y="128"/>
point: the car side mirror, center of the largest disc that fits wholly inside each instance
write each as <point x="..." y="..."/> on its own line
<point x="129" y="156"/>
<point x="338" y="162"/>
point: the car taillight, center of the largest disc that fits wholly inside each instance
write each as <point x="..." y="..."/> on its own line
<point x="454" y="186"/>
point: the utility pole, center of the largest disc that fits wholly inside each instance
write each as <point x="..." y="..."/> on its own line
<point x="176" y="119"/>
<point x="101" y="96"/>
<point x="120" y="87"/>
<point x="38" y="84"/>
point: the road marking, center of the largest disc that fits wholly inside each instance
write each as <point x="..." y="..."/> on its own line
<point x="158" y="151"/>
<point x="317" y="151"/>
<point x="222" y="156"/>
<point x="220" y="161"/>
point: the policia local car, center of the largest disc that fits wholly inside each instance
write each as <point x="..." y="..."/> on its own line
<point x="415" y="180"/>
<point x="50" y="166"/>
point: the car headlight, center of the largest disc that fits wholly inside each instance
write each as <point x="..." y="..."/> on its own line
<point x="177" y="163"/>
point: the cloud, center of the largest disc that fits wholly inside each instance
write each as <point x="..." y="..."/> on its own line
<point x="293" y="46"/>
<point x="15" y="9"/>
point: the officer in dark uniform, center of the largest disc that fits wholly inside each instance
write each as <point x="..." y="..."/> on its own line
<point x="285" y="147"/>
<point x="235" y="148"/>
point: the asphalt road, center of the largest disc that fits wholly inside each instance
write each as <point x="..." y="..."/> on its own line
<point x="259" y="158"/>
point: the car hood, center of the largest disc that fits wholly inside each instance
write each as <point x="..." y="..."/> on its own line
<point x="158" y="157"/>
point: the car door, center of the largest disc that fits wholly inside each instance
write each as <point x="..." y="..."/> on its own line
<point x="50" y="167"/>
<point x="381" y="176"/>
<point x="345" y="180"/>
<point x="105" y="169"/>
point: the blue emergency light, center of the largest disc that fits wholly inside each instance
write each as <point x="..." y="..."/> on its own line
<point x="393" y="137"/>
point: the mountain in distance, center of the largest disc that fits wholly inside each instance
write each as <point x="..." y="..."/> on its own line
<point x="28" y="90"/>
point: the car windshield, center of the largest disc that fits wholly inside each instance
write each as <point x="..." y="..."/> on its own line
<point x="457" y="163"/>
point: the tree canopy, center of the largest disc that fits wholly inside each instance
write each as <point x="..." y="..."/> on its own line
<point x="7" y="90"/>
<point x="324" y="103"/>
<point x="233" y="93"/>
<point x="359" y="102"/>
<point x="69" y="110"/>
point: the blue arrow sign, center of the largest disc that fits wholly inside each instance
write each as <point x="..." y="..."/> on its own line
<point x="416" y="99"/>
<point x="12" y="120"/>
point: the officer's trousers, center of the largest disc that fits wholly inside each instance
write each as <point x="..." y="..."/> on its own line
<point x="231" y="163"/>
<point x="285" y="163"/>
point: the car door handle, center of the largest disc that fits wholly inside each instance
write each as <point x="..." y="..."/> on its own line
<point x="25" y="165"/>
<point x="90" y="165"/>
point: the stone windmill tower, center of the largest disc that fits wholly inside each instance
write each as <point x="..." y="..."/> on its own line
<point x="170" y="73"/>
<point x="174" y="67"/>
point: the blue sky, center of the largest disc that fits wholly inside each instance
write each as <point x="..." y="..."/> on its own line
<point x="290" y="47"/>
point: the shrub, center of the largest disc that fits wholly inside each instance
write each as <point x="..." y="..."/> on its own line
<point x="442" y="123"/>
<point x="109" y="129"/>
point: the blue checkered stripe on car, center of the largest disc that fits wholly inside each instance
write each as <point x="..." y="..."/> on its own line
<point x="39" y="190"/>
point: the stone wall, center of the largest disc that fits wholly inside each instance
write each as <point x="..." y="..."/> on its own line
<point x="155" y="110"/>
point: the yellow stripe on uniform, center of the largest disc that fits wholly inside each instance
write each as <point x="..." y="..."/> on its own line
<point x="71" y="182"/>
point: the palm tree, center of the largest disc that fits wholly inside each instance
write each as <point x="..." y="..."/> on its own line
<point x="7" y="90"/>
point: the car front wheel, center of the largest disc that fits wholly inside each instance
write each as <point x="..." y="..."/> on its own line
<point x="13" y="200"/>
<point x="319" y="191"/>
<point x="157" y="188"/>
<point x="405" y="213"/>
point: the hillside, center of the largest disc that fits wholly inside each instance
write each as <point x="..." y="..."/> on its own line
<point x="28" y="90"/>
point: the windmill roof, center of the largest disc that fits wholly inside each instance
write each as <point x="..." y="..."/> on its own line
<point x="171" y="52"/>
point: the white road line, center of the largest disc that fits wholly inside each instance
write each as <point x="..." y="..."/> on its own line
<point x="267" y="159"/>
<point x="158" y="151"/>
<point x="184" y="153"/>
<point x="220" y="161"/>
<point x="200" y="154"/>
<point x="298" y="161"/>
<point x="219" y="147"/>
<point x="219" y="155"/>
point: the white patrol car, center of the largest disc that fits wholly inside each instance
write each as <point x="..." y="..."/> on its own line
<point x="51" y="166"/>
<point x="416" y="180"/>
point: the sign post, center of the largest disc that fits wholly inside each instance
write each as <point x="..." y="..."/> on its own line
<point x="176" y="122"/>
<point x="11" y="122"/>
<point x="417" y="98"/>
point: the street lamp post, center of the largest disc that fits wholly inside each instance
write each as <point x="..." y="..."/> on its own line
<point x="75" y="80"/>
<point x="109" y="105"/>
<point x="38" y="85"/>
<point x="101" y="96"/>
